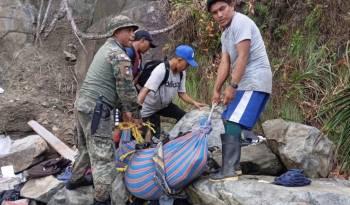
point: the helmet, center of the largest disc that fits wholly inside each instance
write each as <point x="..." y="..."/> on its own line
<point x="119" y="22"/>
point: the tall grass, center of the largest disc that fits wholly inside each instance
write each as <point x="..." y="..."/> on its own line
<point x="337" y="111"/>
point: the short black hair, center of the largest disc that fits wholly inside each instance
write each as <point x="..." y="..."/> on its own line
<point x="211" y="2"/>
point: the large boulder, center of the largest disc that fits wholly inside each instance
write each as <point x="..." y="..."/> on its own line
<point x="41" y="189"/>
<point x="9" y="183"/>
<point x="148" y="14"/>
<point x="300" y="146"/>
<point x="80" y="196"/>
<point x="256" y="159"/>
<point x="16" y="22"/>
<point x="191" y="121"/>
<point x="252" y="190"/>
<point x="113" y="7"/>
<point x="23" y="152"/>
<point x="15" y="114"/>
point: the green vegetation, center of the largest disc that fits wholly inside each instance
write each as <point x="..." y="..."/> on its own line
<point x="337" y="111"/>
<point x="309" y="52"/>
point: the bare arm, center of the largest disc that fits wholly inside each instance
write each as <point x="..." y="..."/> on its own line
<point x="242" y="49"/>
<point x="186" y="98"/>
<point x="223" y="73"/>
<point x="142" y="95"/>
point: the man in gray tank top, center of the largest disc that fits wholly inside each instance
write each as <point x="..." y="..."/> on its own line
<point x="245" y="60"/>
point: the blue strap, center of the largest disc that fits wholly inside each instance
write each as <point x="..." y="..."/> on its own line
<point x="131" y="53"/>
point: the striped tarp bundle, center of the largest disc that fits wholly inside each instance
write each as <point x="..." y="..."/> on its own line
<point x="126" y="145"/>
<point x="185" y="158"/>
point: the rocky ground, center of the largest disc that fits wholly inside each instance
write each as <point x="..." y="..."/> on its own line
<point x="40" y="82"/>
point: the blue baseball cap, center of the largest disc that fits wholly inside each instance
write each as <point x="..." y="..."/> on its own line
<point x="187" y="53"/>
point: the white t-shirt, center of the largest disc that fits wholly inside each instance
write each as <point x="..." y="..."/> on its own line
<point x="258" y="75"/>
<point x="160" y="97"/>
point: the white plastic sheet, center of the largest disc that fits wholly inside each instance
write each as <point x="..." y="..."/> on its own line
<point x="8" y="171"/>
<point x="5" y="145"/>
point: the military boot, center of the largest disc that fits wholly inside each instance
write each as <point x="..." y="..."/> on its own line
<point x="107" y="202"/>
<point x="231" y="154"/>
<point x="71" y="185"/>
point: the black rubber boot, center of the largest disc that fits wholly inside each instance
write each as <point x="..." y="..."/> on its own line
<point x="231" y="154"/>
<point x="71" y="185"/>
<point x="238" y="169"/>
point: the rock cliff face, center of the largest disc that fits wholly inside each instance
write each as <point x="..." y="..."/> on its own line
<point x="150" y="15"/>
<point x="39" y="81"/>
<point x="15" y="16"/>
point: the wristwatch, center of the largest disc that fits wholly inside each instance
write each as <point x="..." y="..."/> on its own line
<point x="234" y="85"/>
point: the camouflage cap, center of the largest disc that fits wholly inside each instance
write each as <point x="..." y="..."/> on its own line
<point x="119" y="22"/>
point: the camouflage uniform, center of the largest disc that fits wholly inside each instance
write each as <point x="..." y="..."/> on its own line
<point x="109" y="75"/>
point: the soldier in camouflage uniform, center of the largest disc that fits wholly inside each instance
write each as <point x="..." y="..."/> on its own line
<point x="108" y="83"/>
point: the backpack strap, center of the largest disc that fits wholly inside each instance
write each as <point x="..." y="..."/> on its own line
<point x="166" y="76"/>
<point x="167" y="70"/>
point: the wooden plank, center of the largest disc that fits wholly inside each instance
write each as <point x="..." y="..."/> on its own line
<point x="56" y="143"/>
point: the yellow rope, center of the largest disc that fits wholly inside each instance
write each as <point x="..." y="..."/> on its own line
<point x="126" y="154"/>
<point x="122" y="169"/>
<point x="125" y="125"/>
<point x="135" y="131"/>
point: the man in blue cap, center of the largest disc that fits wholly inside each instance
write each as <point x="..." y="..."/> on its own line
<point x="156" y="98"/>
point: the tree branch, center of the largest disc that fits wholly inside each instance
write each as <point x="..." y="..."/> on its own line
<point x="43" y="24"/>
<point x="65" y="10"/>
<point x="75" y="28"/>
<point x="14" y="31"/>
<point x="60" y="14"/>
<point x="72" y="22"/>
<point x="38" y="20"/>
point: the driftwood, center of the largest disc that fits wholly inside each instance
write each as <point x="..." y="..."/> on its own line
<point x="55" y="143"/>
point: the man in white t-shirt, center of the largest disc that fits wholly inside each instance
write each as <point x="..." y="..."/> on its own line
<point x="156" y="98"/>
<point x="245" y="59"/>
